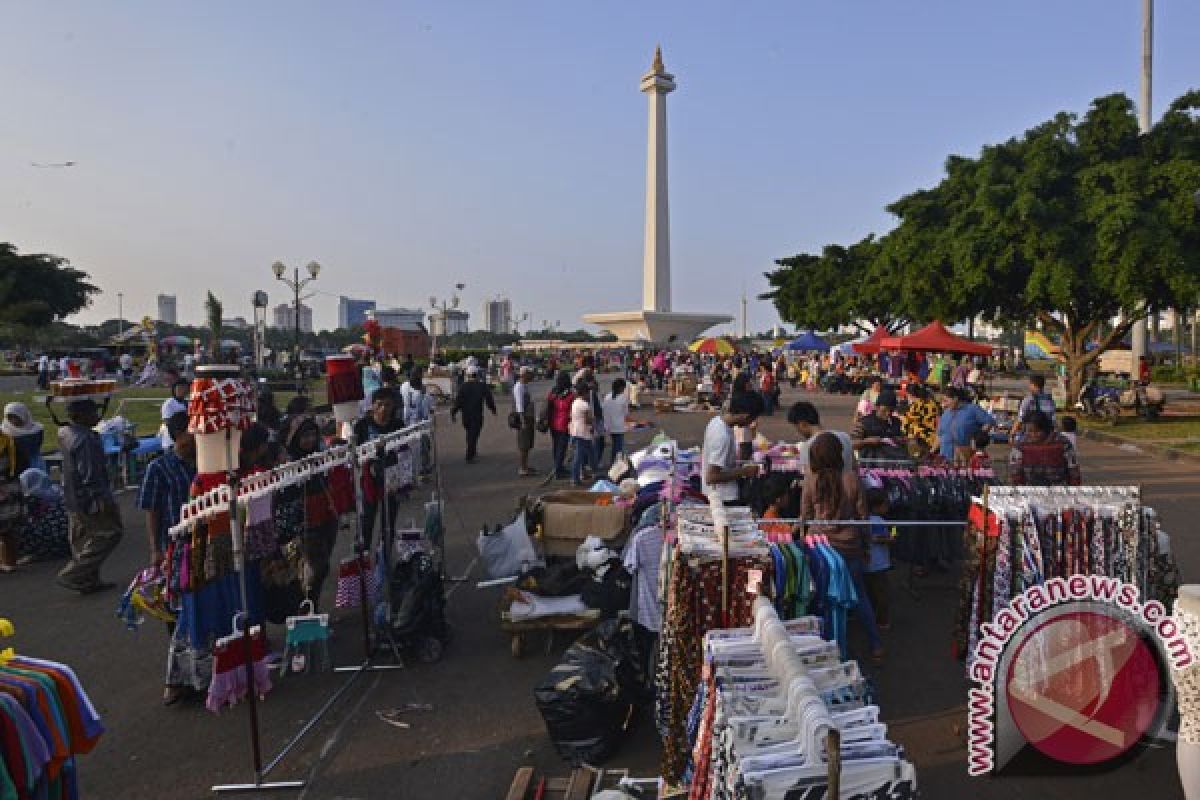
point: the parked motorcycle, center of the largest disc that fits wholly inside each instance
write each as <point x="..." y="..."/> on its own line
<point x="1107" y="402"/>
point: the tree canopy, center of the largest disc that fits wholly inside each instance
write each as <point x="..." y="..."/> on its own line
<point x="37" y="289"/>
<point x="1076" y="221"/>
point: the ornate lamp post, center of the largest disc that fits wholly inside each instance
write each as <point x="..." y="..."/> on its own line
<point x="295" y="283"/>
<point x="443" y="306"/>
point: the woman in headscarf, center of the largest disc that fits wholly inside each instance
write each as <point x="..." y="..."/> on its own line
<point x="11" y="467"/>
<point x="320" y="525"/>
<point x="43" y="537"/>
<point x="27" y="434"/>
<point x="558" y="417"/>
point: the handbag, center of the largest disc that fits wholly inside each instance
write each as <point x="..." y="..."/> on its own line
<point x="514" y="420"/>
<point x="349" y="582"/>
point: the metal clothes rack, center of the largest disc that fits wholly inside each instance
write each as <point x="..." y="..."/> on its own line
<point x="233" y="494"/>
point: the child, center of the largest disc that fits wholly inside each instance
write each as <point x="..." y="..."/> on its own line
<point x="780" y="503"/>
<point x="1068" y="432"/>
<point x="879" y="560"/>
<point x="980" y="458"/>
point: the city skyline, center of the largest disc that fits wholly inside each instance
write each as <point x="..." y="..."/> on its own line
<point x="401" y="190"/>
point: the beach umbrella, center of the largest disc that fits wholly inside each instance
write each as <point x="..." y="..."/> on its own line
<point x="713" y="345"/>
<point x="175" y="341"/>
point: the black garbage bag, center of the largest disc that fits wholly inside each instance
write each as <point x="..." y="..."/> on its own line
<point x="610" y="592"/>
<point x="591" y="697"/>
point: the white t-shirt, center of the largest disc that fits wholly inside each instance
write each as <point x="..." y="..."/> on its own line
<point x="521" y="396"/>
<point x="847" y="450"/>
<point x="719" y="450"/>
<point x="126" y="361"/>
<point x="615" y="410"/>
<point x="581" y="424"/>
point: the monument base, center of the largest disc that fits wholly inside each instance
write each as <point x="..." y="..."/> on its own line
<point x="666" y="328"/>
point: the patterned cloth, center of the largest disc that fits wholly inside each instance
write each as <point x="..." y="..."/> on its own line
<point x="43" y="537"/>
<point x="921" y="421"/>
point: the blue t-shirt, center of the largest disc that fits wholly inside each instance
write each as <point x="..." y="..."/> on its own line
<point x="880" y="557"/>
<point x="958" y="425"/>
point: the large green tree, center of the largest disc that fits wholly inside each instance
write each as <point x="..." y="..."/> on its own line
<point x="852" y="285"/>
<point x="37" y="290"/>
<point x="1075" y="222"/>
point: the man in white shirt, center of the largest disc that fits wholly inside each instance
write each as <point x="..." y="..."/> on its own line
<point x="719" y="472"/>
<point x="581" y="431"/>
<point x="524" y="407"/>
<point x="804" y="417"/>
<point x="43" y="371"/>
<point x="176" y="403"/>
<point x="126" y="362"/>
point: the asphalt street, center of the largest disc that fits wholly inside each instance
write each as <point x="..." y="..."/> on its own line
<point x="484" y="724"/>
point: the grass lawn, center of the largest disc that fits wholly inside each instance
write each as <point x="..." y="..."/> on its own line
<point x="1163" y="431"/>
<point x="139" y="405"/>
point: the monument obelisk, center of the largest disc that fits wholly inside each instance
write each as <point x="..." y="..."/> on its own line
<point x="656" y="262"/>
<point x="656" y="323"/>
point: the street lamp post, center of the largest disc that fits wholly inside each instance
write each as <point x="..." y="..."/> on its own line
<point x="120" y="315"/>
<point x="443" y="305"/>
<point x="296" y="284"/>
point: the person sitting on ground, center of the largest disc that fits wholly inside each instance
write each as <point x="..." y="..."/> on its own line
<point x="27" y="434"/>
<point x="43" y="536"/>
<point x="1043" y="457"/>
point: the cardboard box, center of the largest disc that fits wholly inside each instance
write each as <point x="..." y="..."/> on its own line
<point x="569" y="517"/>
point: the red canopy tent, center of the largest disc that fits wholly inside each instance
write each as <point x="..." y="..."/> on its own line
<point x="934" y="338"/>
<point x="870" y="345"/>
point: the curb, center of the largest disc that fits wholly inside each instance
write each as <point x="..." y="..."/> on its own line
<point x="1149" y="448"/>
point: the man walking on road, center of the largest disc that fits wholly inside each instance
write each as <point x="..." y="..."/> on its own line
<point x="524" y="406"/>
<point x="470" y="400"/>
<point x="93" y="518"/>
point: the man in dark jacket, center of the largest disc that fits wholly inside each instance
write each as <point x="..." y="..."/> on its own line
<point x="470" y="400"/>
<point x="93" y="518"/>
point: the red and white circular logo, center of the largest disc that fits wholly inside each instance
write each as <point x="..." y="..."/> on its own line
<point x="1084" y="687"/>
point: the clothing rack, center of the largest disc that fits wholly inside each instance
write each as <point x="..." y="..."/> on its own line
<point x="225" y="499"/>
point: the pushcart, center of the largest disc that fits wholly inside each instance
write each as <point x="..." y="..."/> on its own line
<point x="520" y="629"/>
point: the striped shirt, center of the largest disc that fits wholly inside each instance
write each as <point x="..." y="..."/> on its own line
<point x="165" y="489"/>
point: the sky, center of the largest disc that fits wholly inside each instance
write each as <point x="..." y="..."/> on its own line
<point x="410" y="146"/>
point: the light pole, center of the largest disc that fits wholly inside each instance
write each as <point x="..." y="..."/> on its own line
<point x="259" y="299"/>
<point x="296" y="284"/>
<point x="120" y="315"/>
<point x="443" y="305"/>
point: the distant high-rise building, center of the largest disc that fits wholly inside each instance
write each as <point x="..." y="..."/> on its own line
<point x="166" y="309"/>
<point x="352" y="313"/>
<point x="404" y="319"/>
<point x="285" y="318"/>
<point x="450" y="322"/>
<point x="497" y="315"/>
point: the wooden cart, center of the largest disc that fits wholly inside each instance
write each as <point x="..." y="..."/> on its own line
<point x="520" y="629"/>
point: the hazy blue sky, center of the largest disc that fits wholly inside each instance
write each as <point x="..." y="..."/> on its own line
<point x="408" y="146"/>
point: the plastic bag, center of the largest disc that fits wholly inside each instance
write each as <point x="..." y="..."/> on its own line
<point x="609" y="591"/>
<point x="588" y="698"/>
<point x="508" y="550"/>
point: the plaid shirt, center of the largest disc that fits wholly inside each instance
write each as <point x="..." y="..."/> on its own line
<point x="1049" y="463"/>
<point x="165" y="489"/>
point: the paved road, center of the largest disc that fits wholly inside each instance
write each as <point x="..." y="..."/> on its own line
<point x="484" y="724"/>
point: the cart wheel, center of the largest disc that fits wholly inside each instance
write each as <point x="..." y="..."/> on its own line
<point x="518" y="645"/>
